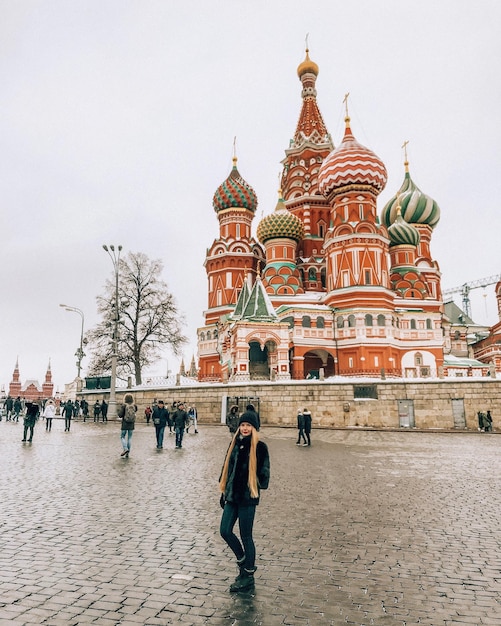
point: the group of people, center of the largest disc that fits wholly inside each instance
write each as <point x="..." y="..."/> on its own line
<point x="484" y="422"/>
<point x="178" y="420"/>
<point x="304" y="427"/>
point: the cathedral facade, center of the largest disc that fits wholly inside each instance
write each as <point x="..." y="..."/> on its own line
<point x="330" y="285"/>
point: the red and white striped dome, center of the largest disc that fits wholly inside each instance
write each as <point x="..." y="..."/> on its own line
<point x="351" y="163"/>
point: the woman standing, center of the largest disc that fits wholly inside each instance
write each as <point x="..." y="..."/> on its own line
<point x="48" y="413"/>
<point x="128" y="414"/>
<point x="246" y="470"/>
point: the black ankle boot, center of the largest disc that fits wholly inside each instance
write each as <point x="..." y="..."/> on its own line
<point x="244" y="581"/>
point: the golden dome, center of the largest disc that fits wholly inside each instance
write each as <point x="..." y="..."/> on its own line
<point x="307" y="66"/>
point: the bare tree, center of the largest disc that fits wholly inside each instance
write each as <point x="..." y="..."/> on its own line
<point x="148" y="319"/>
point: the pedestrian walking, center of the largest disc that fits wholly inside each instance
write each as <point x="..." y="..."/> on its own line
<point x="128" y="414"/>
<point x="104" y="410"/>
<point x="488" y="422"/>
<point x="246" y="470"/>
<point x="180" y="419"/>
<point x="49" y="413"/>
<point x="300" y="427"/>
<point x="232" y="419"/>
<point x="18" y="407"/>
<point x="9" y="406"/>
<point x="147" y="414"/>
<point x="307" y="426"/>
<point x="192" y="415"/>
<point x="160" y="421"/>
<point x="97" y="411"/>
<point x="68" y="413"/>
<point x="32" y="413"/>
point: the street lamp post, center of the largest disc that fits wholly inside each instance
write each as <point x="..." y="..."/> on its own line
<point x="79" y="353"/>
<point x="115" y="259"/>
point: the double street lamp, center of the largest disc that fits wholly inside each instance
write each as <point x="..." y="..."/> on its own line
<point x="115" y="259"/>
<point x="79" y="353"/>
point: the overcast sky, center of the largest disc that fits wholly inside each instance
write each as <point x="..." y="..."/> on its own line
<point x="117" y="120"/>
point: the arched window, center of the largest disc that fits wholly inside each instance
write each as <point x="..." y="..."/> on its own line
<point x="457" y="335"/>
<point x="306" y="321"/>
<point x="322" y="277"/>
<point x="351" y="321"/>
<point x="208" y="335"/>
<point x="320" y="322"/>
<point x="288" y="320"/>
<point x="413" y="324"/>
<point x="202" y="336"/>
<point x="381" y="320"/>
<point x="418" y="359"/>
<point x="312" y="274"/>
<point x="429" y="324"/>
<point x="368" y="319"/>
<point x="340" y="321"/>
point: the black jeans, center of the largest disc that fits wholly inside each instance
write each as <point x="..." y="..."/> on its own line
<point x="301" y="434"/>
<point x="26" y="426"/>
<point x="307" y="433"/>
<point x="48" y="423"/>
<point x="245" y="514"/>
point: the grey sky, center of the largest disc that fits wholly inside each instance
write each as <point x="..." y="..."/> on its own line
<point x="117" y="121"/>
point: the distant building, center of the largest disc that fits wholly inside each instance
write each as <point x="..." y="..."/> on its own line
<point x="329" y="287"/>
<point x="31" y="389"/>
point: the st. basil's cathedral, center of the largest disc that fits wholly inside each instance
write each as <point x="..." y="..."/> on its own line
<point x="329" y="287"/>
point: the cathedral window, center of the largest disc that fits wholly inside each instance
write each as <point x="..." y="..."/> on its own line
<point x="320" y="322"/>
<point x="208" y="335"/>
<point x="219" y="298"/>
<point x="312" y="274"/>
<point x="429" y="324"/>
<point x="418" y="359"/>
<point x="368" y="320"/>
<point x="367" y="277"/>
<point x="340" y="321"/>
<point x="345" y="274"/>
<point x="322" y="276"/>
<point x="306" y="321"/>
<point x="237" y="231"/>
<point x="413" y="324"/>
<point x="361" y="211"/>
<point x="228" y="280"/>
<point x="381" y="320"/>
<point x="202" y="336"/>
<point x="351" y="321"/>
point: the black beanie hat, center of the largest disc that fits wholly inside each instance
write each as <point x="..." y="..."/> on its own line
<point x="250" y="417"/>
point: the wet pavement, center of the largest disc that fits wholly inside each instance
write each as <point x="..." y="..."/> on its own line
<point x="364" y="527"/>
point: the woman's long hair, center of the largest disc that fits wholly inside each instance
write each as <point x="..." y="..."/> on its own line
<point x="252" y="480"/>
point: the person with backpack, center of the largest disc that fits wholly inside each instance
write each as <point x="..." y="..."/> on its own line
<point x="128" y="414"/>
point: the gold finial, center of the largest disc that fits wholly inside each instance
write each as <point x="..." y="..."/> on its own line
<point x="306" y="41"/>
<point x="345" y="102"/>
<point x="235" y="151"/>
<point x="406" y="162"/>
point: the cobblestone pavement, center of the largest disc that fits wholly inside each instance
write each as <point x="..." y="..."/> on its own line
<point x="364" y="527"/>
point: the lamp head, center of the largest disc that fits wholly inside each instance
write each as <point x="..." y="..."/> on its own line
<point x="105" y="247"/>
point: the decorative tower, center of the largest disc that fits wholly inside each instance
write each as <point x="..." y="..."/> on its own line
<point x="48" y="385"/>
<point x="424" y="213"/>
<point x="15" y="385"/>
<point x="356" y="245"/>
<point x="308" y="148"/>
<point x="235" y="252"/>
<point x="280" y="233"/>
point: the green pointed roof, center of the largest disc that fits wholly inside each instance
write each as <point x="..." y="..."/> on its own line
<point x="242" y="300"/>
<point x="258" y="307"/>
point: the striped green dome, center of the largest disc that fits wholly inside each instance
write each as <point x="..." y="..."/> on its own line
<point x="234" y="192"/>
<point x="280" y="224"/>
<point x="417" y="207"/>
<point x="400" y="232"/>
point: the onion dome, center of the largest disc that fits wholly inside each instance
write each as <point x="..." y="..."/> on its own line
<point x="234" y="193"/>
<point x="307" y="66"/>
<point x="280" y="224"/>
<point x="351" y="163"/>
<point x="416" y="206"/>
<point x="400" y="232"/>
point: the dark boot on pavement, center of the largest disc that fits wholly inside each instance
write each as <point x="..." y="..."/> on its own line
<point x="244" y="581"/>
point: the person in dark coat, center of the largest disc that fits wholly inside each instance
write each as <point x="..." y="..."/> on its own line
<point x="300" y="427"/>
<point x="160" y="421"/>
<point x="180" y="419"/>
<point x="232" y="419"/>
<point x="68" y="413"/>
<point x="127" y="429"/>
<point x="104" y="410"/>
<point x="307" y="425"/>
<point x="246" y="470"/>
<point x="32" y="413"/>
